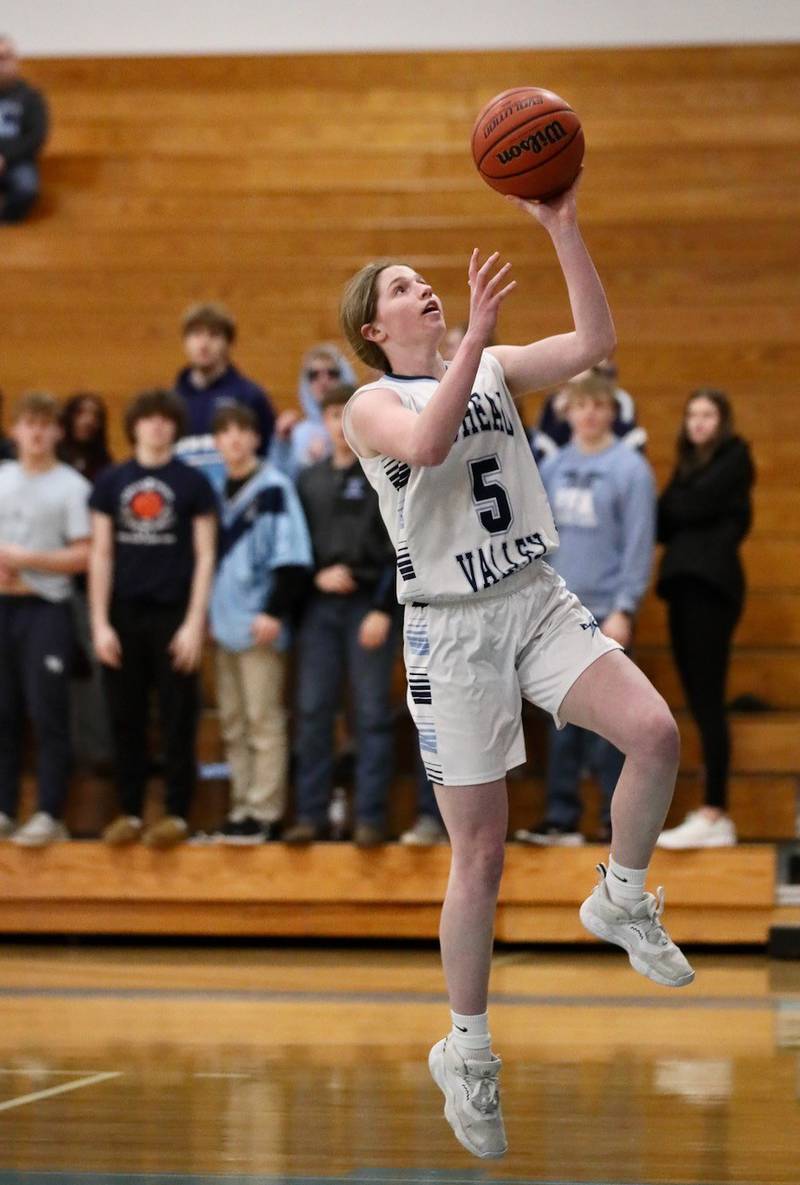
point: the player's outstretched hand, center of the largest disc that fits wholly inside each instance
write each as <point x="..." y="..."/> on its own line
<point x="486" y="293"/>
<point x="558" y="212"/>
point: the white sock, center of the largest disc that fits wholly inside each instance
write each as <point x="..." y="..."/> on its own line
<point x="625" y="885"/>
<point x="471" y="1036"/>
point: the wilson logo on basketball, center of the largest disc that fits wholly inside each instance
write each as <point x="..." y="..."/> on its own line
<point x="551" y="134"/>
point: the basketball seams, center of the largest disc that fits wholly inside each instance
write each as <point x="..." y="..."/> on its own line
<point x="528" y="140"/>
<point x="532" y="168"/>
<point x="517" y="127"/>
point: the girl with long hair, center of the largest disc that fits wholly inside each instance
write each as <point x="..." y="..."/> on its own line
<point x="488" y="621"/>
<point x="704" y="514"/>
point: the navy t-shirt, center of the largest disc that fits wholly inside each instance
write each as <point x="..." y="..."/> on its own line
<point x="152" y="511"/>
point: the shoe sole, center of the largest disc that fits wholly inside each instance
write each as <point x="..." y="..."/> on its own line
<point x="436" y="1067"/>
<point x="695" y="847"/>
<point x="240" y="841"/>
<point x="38" y="843"/>
<point x="597" y="926"/>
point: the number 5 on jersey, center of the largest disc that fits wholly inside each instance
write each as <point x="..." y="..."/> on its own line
<point x="490" y="497"/>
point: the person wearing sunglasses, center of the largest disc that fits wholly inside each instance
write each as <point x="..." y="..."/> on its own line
<point x="302" y="440"/>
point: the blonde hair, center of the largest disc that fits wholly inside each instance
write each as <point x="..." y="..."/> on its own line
<point x="590" y="386"/>
<point x="358" y="307"/>
<point x="38" y="405"/>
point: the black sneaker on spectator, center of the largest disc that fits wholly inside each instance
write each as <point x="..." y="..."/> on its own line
<point x="549" y="836"/>
<point x="367" y="835"/>
<point x="238" y="832"/>
<point x="7" y="825"/>
<point x="304" y="831"/>
<point x="270" y="832"/>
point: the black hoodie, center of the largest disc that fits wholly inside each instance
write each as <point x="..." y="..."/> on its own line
<point x="23" y="122"/>
<point x="702" y="519"/>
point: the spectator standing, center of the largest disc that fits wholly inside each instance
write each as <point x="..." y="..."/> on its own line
<point x="553" y="430"/>
<point x="300" y="442"/>
<point x="211" y="381"/>
<point x="44" y="541"/>
<point x="84" y="446"/>
<point x="604" y="505"/>
<point x="261" y="582"/>
<point x="350" y="626"/>
<point x="704" y="514"/>
<point x="152" y="563"/>
<point x="23" y="130"/>
<point x="84" y="443"/>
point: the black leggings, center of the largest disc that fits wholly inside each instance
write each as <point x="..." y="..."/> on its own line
<point x="701" y="625"/>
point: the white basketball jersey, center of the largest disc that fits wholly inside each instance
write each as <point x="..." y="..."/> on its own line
<point x="462" y="527"/>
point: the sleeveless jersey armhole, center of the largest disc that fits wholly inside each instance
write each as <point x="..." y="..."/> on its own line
<point x="348" y="434"/>
<point x="498" y="371"/>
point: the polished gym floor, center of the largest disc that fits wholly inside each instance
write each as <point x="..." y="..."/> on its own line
<point x="147" y="1064"/>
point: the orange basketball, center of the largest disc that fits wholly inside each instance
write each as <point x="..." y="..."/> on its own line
<point x="528" y="142"/>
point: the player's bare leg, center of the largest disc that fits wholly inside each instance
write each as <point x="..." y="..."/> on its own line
<point x="462" y="1064"/>
<point x="614" y="699"/>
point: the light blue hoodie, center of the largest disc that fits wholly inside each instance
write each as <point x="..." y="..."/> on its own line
<point x="261" y="528"/>
<point x="604" y="506"/>
<point x="298" y="452"/>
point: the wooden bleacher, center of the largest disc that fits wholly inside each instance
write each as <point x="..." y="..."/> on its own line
<point x="265" y="182"/>
<point x="330" y="890"/>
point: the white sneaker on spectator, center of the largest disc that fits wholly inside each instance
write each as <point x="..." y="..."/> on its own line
<point x="7" y="825"/>
<point x="472" y="1099"/>
<point x="426" y="831"/>
<point x="639" y="932"/>
<point x="699" y="830"/>
<point x="40" y="830"/>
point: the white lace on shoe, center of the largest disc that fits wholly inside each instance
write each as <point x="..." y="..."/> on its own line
<point x="639" y="931"/>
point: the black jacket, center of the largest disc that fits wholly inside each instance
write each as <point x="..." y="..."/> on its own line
<point x="702" y="519"/>
<point x="23" y="123"/>
<point x="346" y="527"/>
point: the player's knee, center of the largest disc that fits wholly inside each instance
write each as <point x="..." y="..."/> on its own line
<point x="484" y="867"/>
<point x="660" y="735"/>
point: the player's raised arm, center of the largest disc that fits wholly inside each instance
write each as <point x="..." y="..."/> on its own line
<point x="556" y="359"/>
<point x="378" y="421"/>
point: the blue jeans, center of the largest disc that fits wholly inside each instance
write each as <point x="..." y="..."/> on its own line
<point x="571" y="751"/>
<point x="329" y="652"/>
<point x="19" y="184"/>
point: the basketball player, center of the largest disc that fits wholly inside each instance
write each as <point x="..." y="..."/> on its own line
<point x="487" y="621"/>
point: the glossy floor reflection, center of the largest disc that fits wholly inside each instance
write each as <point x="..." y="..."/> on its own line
<point x="134" y="1065"/>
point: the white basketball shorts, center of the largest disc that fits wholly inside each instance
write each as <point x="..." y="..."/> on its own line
<point x="470" y="663"/>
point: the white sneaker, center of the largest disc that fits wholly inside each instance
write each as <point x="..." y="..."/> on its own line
<point x="638" y="931"/>
<point x="7" y="825"/>
<point x="472" y="1099"/>
<point x="426" y="831"/>
<point x="699" y="831"/>
<point x="40" y="830"/>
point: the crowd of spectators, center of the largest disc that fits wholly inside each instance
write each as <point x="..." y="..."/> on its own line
<point x="261" y="535"/>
